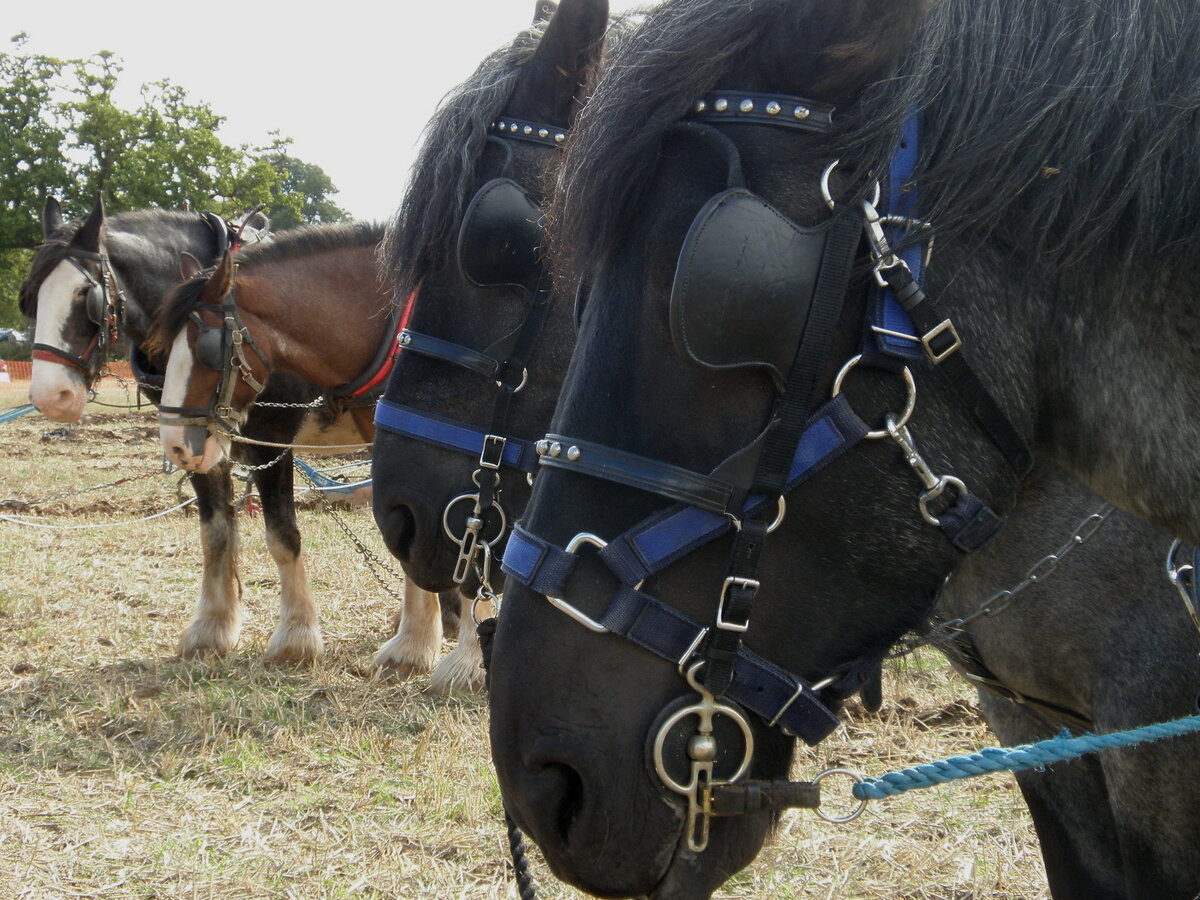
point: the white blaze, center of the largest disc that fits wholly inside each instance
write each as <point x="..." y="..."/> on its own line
<point x="174" y="393"/>
<point x="58" y="391"/>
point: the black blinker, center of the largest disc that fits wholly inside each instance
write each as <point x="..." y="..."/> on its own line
<point x="501" y="233"/>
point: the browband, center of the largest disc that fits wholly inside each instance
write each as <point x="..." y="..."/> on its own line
<point x="528" y="130"/>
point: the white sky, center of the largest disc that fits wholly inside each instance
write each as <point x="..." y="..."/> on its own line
<point x="352" y="82"/>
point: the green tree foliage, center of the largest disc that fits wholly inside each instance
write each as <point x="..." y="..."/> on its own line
<point x="62" y="133"/>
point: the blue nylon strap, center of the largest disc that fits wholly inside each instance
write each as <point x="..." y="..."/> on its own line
<point x="660" y="540"/>
<point x="902" y="200"/>
<point x="397" y="419"/>
<point x="537" y="564"/>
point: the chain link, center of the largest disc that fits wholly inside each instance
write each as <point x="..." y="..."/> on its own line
<point x="372" y="559"/>
<point x="17" y="503"/>
<point x="1001" y="600"/>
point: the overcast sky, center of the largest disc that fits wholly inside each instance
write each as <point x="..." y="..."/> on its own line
<point x="352" y="82"/>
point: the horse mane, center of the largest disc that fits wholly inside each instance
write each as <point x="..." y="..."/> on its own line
<point x="445" y="169"/>
<point x="295" y="243"/>
<point x="1066" y="125"/>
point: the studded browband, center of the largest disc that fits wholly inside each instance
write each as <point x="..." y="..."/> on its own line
<point x="528" y="130"/>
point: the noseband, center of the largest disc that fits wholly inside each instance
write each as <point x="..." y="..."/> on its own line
<point x="799" y="278"/>
<point x="498" y="246"/>
<point x="222" y="348"/>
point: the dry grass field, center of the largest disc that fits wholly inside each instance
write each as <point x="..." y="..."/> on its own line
<point x="126" y="773"/>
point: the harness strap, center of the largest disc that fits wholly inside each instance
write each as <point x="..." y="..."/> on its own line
<point x="447" y="351"/>
<point x="49" y="353"/>
<point x="381" y="365"/>
<point x="441" y="432"/>
<point x="956" y="372"/>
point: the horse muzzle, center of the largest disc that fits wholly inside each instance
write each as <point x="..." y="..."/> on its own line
<point x="190" y="447"/>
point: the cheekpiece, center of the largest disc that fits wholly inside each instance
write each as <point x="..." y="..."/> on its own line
<point x="763" y="109"/>
<point x="527" y="130"/>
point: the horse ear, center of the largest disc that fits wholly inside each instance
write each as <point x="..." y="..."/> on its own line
<point x="189" y="266"/>
<point x="90" y="234"/>
<point x="570" y="48"/>
<point x="543" y="10"/>
<point x="52" y="217"/>
<point x="257" y="221"/>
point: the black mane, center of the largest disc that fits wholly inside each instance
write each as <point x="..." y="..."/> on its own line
<point x="1067" y="125"/>
<point x="428" y="220"/>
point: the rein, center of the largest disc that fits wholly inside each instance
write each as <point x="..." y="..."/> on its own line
<point x="746" y="493"/>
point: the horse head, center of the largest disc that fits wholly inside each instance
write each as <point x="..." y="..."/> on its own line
<point x="485" y="349"/>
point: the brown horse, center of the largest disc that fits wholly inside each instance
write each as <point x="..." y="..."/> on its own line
<point x="312" y="305"/>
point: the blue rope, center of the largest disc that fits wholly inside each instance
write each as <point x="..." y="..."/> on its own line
<point x="1016" y="759"/>
<point x="16" y="412"/>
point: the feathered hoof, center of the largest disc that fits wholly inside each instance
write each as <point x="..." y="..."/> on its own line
<point x="461" y="670"/>
<point x="294" y="644"/>
<point x="204" y="637"/>
<point x="403" y="657"/>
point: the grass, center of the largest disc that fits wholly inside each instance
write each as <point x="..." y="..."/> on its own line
<point x="126" y="773"/>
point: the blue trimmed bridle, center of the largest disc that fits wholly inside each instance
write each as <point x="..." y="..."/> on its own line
<point x="903" y="327"/>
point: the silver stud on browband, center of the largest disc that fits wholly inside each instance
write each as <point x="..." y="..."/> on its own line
<point x="721" y="105"/>
<point x="802" y="112"/>
<point x="529" y="129"/>
<point x="543" y="133"/>
<point x="499" y="125"/>
<point x="747" y="106"/>
<point x="541" y="448"/>
<point x="559" y="138"/>
<point x="514" y="127"/>
<point x="556" y="449"/>
<point x="773" y="108"/>
<point x="573" y="453"/>
<point x="405" y="339"/>
<point x="701" y="105"/>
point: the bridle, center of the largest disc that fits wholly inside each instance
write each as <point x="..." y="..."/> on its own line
<point x="104" y="306"/>
<point x="746" y="494"/>
<point x="222" y="348"/>
<point x="105" y="302"/>
<point x="498" y="247"/>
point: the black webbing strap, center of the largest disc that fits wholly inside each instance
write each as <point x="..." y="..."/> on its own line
<point x="792" y="411"/>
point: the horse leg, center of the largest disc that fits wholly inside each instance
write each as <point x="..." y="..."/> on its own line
<point x="414" y="648"/>
<point x="1069" y="803"/>
<point x="462" y="669"/>
<point x="297" y="637"/>
<point x="217" y="618"/>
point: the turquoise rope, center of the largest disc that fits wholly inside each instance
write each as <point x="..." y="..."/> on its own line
<point x="16" y="412"/>
<point x="1016" y="759"/>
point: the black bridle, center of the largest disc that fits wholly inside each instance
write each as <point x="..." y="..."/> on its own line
<point x="746" y="493"/>
<point x="223" y="349"/>
<point x="498" y="246"/>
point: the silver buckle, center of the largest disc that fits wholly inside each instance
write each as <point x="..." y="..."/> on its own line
<point x="495" y="444"/>
<point x="559" y="603"/>
<point x="927" y="342"/>
<point x="751" y="583"/>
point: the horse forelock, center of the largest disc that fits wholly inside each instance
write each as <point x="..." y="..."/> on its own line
<point x="171" y="315"/>
<point x="447" y="165"/>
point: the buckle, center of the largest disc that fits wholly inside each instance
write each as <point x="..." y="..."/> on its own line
<point x="492" y="454"/>
<point x="559" y="603"/>
<point x="938" y="354"/>
<point x="749" y="583"/>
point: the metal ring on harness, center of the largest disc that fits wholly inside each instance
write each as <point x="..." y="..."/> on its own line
<point x="827" y="196"/>
<point x="853" y="814"/>
<point x="473" y="498"/>
<point x="910" y="403"/>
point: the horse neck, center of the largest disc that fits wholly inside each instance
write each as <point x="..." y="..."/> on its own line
<point x="1120" y="392"/>
<point x="145" y="257"/>
<point x="323" y="320"/>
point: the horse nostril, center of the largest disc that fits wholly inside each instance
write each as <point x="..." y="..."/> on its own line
<point x="571" y="802"/>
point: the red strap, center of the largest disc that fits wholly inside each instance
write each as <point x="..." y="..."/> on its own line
<point x="386" y="369"/>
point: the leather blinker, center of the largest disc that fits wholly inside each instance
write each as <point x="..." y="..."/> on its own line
<point x="498" y="244"/>
<point x="743" y="285"/>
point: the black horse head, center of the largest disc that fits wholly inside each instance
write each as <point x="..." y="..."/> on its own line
<point x="678" y="227"/>
<point x="484" y="353"/>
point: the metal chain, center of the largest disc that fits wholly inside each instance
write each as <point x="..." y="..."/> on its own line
<point x="248" y="468"/>
<point x="320" y="401"/>
<point x="245" y="440"/>
<point x="372" y="559"/>
<point x="17" y="503"/>
<point x="1001" y="600"/>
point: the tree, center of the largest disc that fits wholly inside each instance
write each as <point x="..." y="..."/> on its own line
<point x="63" y="133"/>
